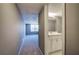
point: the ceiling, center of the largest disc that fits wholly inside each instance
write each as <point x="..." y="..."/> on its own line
<point x="30" y="12"/>
<point x="30" y="7"/>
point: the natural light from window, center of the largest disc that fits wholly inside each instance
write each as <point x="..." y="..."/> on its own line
<point x="34" y="28"/>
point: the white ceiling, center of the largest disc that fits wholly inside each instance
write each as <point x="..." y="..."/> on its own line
<point x="30" y="7"/>
<point x="30" y="12"/>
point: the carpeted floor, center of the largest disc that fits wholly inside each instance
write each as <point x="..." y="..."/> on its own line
<point x="30" y="46"/>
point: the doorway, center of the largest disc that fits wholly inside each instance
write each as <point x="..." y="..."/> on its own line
<point x="31" y="40"/>
<point x="30" y="16"/>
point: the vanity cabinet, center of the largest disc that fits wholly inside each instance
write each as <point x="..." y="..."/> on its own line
<point x="55" y="44"/>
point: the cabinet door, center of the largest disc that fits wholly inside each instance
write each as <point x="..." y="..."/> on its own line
<point x="59" y="43"/>
<point x="55" y="43"/>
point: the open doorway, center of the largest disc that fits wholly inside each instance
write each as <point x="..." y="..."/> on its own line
<point x="31" y="41"/>
<point x="30" y="15"/>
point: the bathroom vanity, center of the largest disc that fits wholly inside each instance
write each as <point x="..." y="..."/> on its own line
<point x="55" y="40"/>
<point x="55" y="29"/>
<point x="55" y="36"/>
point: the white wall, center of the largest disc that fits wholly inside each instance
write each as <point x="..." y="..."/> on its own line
<point x="9" y="29"/>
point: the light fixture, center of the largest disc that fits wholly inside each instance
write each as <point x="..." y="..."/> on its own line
<point x="50" y="14"/>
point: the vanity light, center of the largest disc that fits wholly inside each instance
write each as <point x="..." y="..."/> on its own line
<point x="52" y="14"/>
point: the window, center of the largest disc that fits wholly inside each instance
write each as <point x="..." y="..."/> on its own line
<point x="34" y="28"/>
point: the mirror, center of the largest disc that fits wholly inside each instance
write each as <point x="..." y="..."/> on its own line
<point x="55" y="18"/>
<point x="55" y="24"/>
<point x="52" y="25"/>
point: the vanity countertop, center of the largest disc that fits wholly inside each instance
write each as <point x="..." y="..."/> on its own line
<point x="54" y="33"/>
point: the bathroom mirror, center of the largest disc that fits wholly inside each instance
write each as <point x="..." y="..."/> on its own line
<point x="55" y="18"/>
<point x="55" y="24"/>
<point x="52" y="25"/>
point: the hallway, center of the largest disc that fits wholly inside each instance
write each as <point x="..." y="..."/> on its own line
<point x="30" y="46"/>
<point x="30" y="18"/>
